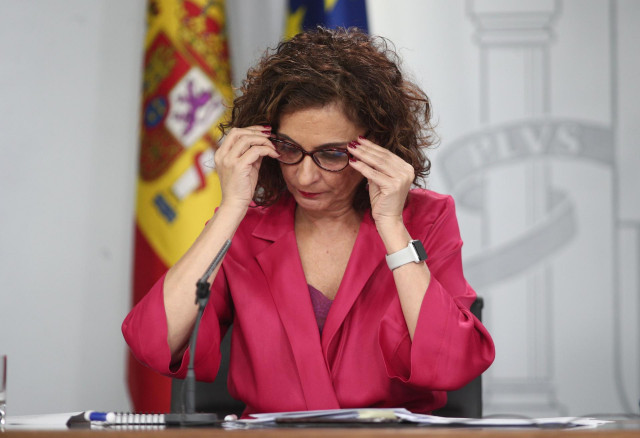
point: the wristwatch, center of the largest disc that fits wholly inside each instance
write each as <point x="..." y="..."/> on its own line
<point x="414" y="252"/>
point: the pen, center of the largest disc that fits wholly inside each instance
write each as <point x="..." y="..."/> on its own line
<point x="123" y="418"/>
<point x="105" y="417"/>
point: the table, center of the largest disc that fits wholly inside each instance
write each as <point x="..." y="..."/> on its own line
<point x="618" y="429"/>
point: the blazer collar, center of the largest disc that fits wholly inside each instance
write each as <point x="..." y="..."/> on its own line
<point x="367" y="255"/>
<point x="277" y="220"/>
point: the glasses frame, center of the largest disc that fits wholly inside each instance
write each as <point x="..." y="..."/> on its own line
<point x="311" y="154"/>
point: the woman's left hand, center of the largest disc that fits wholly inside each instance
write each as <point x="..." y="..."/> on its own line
<point x="389" y="176"/>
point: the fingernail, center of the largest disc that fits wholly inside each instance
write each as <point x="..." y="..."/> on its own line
<point x="353" y="144"/>
<point x="353" y="159"/>
<point x="361" y="137"/>
<point x="267" y="127"/>
<point x="266" y="132"/>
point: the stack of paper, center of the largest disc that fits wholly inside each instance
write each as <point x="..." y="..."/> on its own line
<point x="401" y="415"/>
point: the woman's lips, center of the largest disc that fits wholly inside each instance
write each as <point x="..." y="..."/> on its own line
<point x="307" y="194"/>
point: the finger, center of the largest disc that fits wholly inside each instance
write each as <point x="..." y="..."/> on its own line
<point x="257" y="152"/>
<point x="367" y="148"/>
<point x="242" y="142"/>
<point x="254" y="128"/>
<point x="392" y="174"/>
<point x="235" y="134"/>
<point x="370" y="173"/>
<point x="248" y="157"/>
<point x="381" y="159"/>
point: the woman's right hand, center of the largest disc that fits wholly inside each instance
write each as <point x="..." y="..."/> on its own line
<point x="238" y="162"/>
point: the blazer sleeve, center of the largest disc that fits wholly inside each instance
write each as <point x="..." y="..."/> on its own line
<point x="145" y="331"/>
<point x="450" y="346"/>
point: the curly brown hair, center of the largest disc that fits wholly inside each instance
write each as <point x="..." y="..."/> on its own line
<point x="357" y="71"/>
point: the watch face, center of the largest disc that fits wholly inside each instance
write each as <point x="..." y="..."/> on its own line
<point x="422" y="254"/>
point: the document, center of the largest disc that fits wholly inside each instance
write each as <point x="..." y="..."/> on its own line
<point x="401" y="415"/>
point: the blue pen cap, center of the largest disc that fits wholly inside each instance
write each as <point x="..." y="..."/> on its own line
<point x="98" y="416"/>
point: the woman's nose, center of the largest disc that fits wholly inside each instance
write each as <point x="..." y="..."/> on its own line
<point x="307" y="171"/>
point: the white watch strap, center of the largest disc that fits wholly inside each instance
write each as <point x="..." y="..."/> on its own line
<point x="402" y="257"/>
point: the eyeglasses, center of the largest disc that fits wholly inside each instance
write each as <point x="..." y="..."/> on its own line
<point x="329" y="159"/>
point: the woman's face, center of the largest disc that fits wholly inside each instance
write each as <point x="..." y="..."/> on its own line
<point x="313" y="188"/>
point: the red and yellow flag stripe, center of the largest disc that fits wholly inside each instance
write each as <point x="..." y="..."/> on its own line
<point x="186" y="93"/>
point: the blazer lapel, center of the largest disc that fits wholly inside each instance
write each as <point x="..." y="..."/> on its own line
<point x="367" y="254"/>
<point x="282" y="267"/>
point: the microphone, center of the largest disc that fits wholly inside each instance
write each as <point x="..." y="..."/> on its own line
<point x="188" y="417"/>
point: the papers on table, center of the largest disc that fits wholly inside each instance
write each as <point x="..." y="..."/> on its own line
<point x="557" y="422"/>
<point x="400" y="415"/>
<point x="338" y="417"/>
<point x="366" y="415"/>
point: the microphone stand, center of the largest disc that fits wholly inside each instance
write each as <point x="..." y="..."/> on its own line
<point x="189" y="417"/>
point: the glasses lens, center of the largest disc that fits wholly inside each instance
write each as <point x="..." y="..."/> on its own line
<point x="332" y="159"/>
<point x="289" y="154"/>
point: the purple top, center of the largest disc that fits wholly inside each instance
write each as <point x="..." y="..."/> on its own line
<point x="321" y="306"/>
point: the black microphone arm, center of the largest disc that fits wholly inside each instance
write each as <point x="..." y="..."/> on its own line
<point x="188" y="416"/>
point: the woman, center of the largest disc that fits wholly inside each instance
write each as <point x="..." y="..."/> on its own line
<point x="316" y="167"/>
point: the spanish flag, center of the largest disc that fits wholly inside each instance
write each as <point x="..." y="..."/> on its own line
<point x="186" y="92"/>
<point x="307" y="14"/>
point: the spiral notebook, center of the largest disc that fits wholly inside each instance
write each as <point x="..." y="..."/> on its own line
<point x="118" y="419"/>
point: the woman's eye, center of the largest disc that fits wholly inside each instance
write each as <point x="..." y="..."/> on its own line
<point x="286" y="147"/>
<point x="332" y="155"/>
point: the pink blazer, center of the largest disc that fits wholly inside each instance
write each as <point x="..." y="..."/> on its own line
<point x="365" y="357"/>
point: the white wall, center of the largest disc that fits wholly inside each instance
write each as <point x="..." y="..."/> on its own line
<point x="69" y="81"/>
<point x="69" y="85"/>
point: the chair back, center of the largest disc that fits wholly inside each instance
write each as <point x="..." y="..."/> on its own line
<point x="466" y="402"/>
